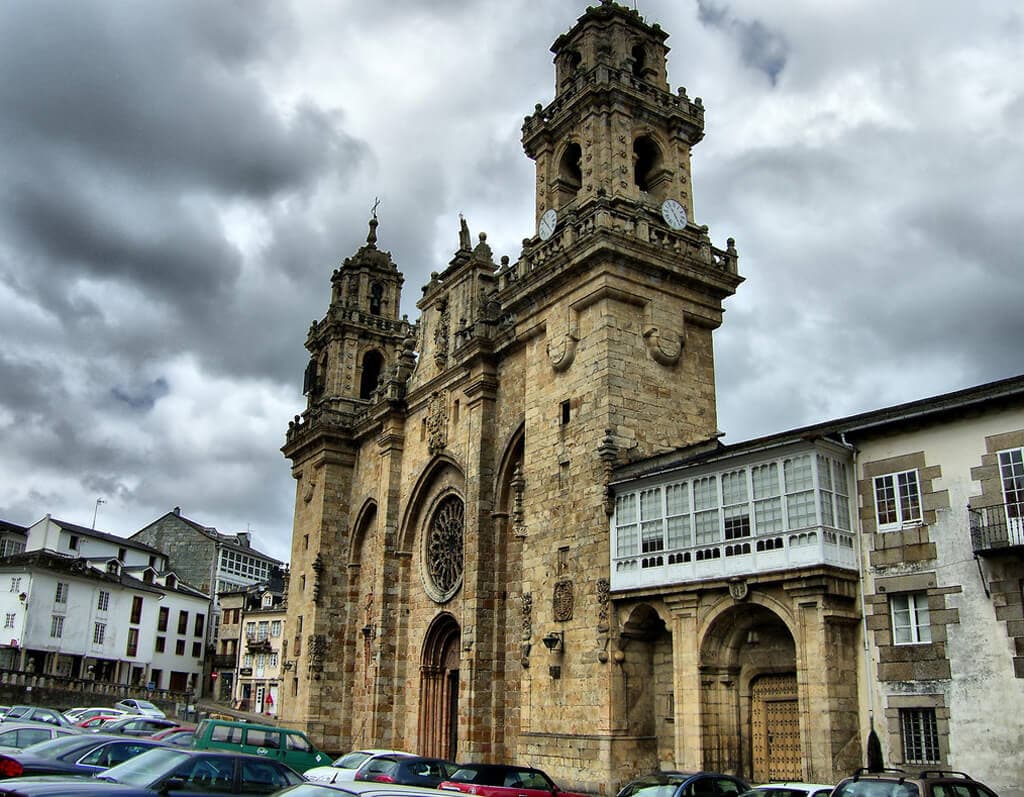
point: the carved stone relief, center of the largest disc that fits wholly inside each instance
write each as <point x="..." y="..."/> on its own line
<point x="562" y="603"/>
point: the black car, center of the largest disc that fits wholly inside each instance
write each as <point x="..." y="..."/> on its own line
<point x="85" y="754"/>
<point x="408" y="770"/>
<point x="168" y="772"/>
<point x="136" y="725"/>
<point x="685" y="784"/>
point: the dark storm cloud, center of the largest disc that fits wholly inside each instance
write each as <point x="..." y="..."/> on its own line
<point x="760" y="47"/>
<point x="143" y="397"/>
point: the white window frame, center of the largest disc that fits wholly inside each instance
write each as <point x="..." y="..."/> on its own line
<point x="901" y="493"/>
<point x="62" y="593"/>
<point x="99" y="632"/>
<point x="9" y="619"/>
<point x="16" y="584"/>
<point x="911" y="616"/>
<point x="103" y="601"/>
<point x="56" y="626"/>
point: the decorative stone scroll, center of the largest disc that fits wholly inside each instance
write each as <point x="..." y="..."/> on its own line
<point x="665" y="349"/>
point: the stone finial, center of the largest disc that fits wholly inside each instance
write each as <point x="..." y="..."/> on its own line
<point x="464" y="239"/>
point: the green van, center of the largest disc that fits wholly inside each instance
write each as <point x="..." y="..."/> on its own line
<point x="292" y="748"/>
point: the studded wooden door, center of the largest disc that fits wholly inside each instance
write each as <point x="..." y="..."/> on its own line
<point x="775" y="728"/>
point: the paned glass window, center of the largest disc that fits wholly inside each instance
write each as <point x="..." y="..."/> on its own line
<point x="627" y="528"/>
<point x="651" y="537"/>
<point x="62" y="593"/>
<point x="9" y="619"/>
<point x="897" y="500"/>
<point x="1011" y="471"/>
<point x="103" y="601"/>
<point x="99" y="632"/>
<point x="161" y="623"/>
<point x="263" y="629"/>
<point x="677" y="509"/>
<point x="182" y="622"/>
<point x="911" y="622"/>
<point x="56" y="626"/>
<point x="200" y="624"/>
<point x="801" y="511"/>
<point x="161" y="644"/>
<point x="136" y="617"/>
<point x="920" y="736"/>
<point x="737" y="509"/>
<point x="16" y="584"/>
<point x="132" y="646"/>
<point x="275" y="628"/>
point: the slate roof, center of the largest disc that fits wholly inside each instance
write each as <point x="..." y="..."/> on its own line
<point x="102" y="535"/>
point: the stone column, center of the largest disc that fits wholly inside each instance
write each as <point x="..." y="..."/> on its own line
<point x="686" y="681"/>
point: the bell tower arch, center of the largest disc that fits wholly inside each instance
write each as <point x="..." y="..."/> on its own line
<point x="614" y="128"/>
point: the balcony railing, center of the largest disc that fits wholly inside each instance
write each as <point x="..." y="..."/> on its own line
<point x="743" y="557"/>
<point x="997" y="529"/>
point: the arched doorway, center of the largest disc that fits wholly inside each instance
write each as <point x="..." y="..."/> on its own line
<point x="750" y="719"/>
<point x="648" y="696"/>
<point x="439" y="689"/>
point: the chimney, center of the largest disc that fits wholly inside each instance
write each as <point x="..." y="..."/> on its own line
<point x="177" y="510"/>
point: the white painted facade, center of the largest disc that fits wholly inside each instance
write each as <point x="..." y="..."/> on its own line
<point x="983" y="697"/>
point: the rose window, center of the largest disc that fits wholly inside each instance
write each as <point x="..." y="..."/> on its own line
<point x="444" y="549"/>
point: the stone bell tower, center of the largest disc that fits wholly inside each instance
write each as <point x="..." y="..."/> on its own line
<point x="360" y="358"/>
<point x="616" y="299"/>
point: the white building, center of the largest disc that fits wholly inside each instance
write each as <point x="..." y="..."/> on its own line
<point x="85" y="604"/>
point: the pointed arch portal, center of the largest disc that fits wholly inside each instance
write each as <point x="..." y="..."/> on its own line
<point x="439" y="689"/>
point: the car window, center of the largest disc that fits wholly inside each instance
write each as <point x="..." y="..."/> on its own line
<point x="226" y="733"/>
<point x="725" y="786"/>
<point x="531" y="779"/>
<point x="380" y="766"/>
<point x="264" y="777"/>
<point x="207" y="773"/>
<point x="297" y="742"/>
<point x="351" y="760"/>
<point x="26" y="736"/>
<point x="952" y="790"/>
<point x="261" y="738"/>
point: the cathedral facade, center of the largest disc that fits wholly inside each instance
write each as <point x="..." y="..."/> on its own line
<point x="449" y="590"/>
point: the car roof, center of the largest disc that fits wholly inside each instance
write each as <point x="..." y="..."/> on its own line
<point x="366" y="788"/>
<point x="52" y="786"/>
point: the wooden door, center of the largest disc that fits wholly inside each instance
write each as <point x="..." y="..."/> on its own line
<point x="775" y="728"/>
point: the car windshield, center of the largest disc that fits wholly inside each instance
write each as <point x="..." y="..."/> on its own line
<point x="351" y="760"/>
<point x="871" y="787"/>
<point x="145" y="768"/>
<point x="652" y="786"/>
<point x="144" y="704"/>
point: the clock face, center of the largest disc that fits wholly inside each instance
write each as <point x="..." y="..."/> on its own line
<point x="547" y="225"/>
<point x="674" y="214"/>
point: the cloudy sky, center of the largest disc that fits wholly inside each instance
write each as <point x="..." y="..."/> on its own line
<point x="179" y="179"/>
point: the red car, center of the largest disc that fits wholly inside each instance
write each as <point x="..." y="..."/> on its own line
<point x="503" y="780"/>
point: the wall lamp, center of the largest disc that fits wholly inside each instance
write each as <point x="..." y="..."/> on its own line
<point x="555" y="641"/>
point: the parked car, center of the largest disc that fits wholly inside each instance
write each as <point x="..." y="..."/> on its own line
<point x="344" y="767"/>
<point x="84" y="754"/>
<point x="79" y="715"/>
<point x="288" y="746"/>
<point x="685" y="784"/>
<point x="355" y="788"/>
<point x="16" y="735"/>
<point x="502" y="780"/>
<point x="93" y="723"/>
<point x="408" y="770"/>
<point x="897" y="783"/>
<point x="136" y="725"/>
<point x="37" y="714"/>
<point x="132" y="706"/>
<point x="790" y="789"/>
<point x="178" y="736"/>
<point x="167" y="771"/>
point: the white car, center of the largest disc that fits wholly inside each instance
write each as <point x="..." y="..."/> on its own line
<point x="344" y="768"/>
<point x="144" y="707"/>
<point x="789" y="789"/>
